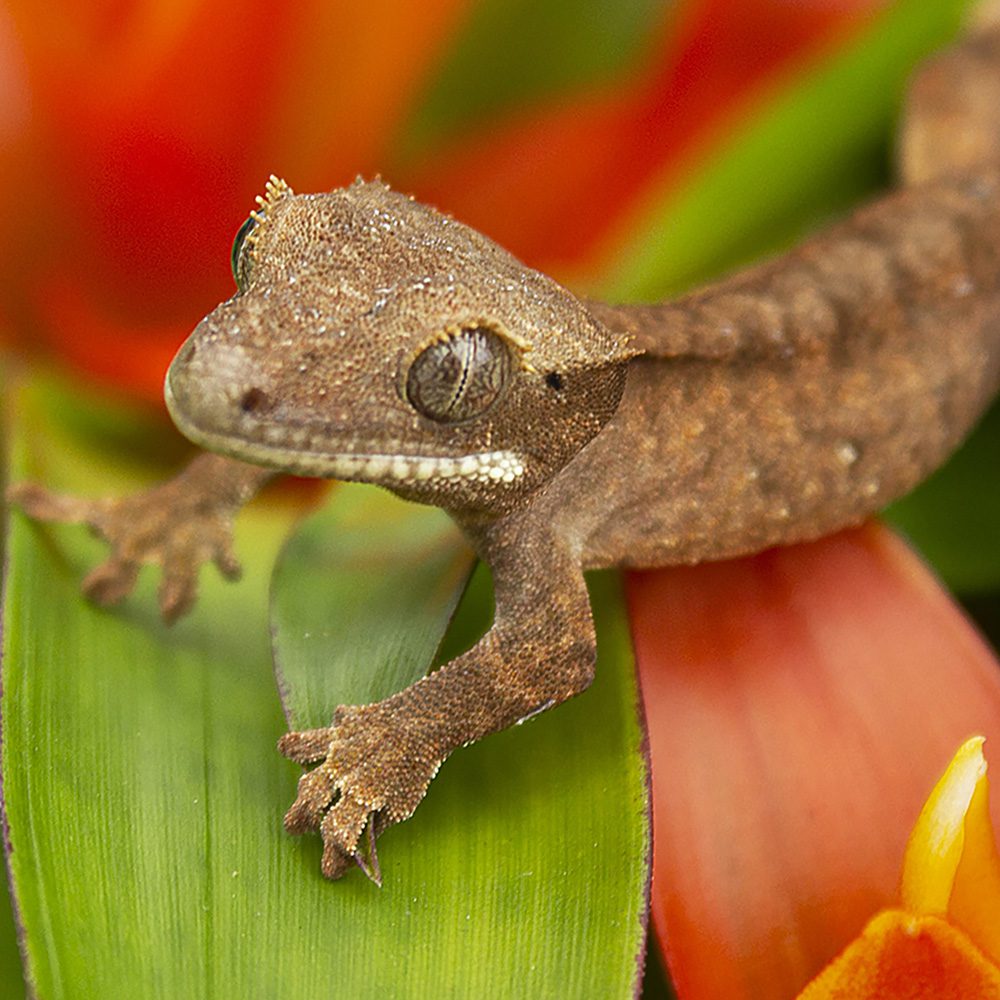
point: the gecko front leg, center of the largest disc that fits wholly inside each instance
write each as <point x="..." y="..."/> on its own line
<point x="177" y="525"/>
<point x="375" y="762"/>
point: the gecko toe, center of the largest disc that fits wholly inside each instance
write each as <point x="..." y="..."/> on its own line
<point x="44" y="505"/>
<point x="306" y="746"/>
<point x="335" y="864"/>
<point x="111" y="581"/>
<point x="316" y="791"/>
<point x="177" y="593"/>
<point x="341" y="829"/>
<point x="226" y="561"/>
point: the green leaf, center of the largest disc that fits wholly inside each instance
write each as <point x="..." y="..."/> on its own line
<point x="362" y="596"/>
<point x="144" y="795"/>
<point x="523" y="873"/>
<point x="11" y="980"/>
<point x="142" y="791"/>
<point x="953" y="518"/>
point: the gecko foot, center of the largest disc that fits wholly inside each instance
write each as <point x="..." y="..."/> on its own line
<point x="371" y="772"/>
<point x="160" y="526"/>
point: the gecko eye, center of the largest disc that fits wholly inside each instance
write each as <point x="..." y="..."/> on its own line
<point x="459" y="378"/>
<point x="239" y="257"/>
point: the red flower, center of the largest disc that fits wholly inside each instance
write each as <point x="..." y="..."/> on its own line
<point x="152" y="126"/>
<point x="800" y="705"/>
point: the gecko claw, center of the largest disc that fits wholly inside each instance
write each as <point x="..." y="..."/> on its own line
<point x="371" y="868"/>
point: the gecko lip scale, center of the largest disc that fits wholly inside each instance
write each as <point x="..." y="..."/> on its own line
<point x="486" y="467"/>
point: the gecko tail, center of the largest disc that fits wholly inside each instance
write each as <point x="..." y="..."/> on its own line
<point x="951" y="117"/>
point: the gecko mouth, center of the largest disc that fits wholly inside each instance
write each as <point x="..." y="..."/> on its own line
<point x="288" y="449"/>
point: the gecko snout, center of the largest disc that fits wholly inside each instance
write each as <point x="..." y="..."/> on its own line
<point x="213" y="385"/>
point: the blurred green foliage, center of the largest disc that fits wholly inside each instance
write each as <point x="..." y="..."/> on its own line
<point x="517" y="52"/>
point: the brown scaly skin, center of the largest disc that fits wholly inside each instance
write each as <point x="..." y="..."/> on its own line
<point x="788" y="401"/>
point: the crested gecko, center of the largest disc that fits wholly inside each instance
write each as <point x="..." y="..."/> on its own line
<point x="374" y="338"/>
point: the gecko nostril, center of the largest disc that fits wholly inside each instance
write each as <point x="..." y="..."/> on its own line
<point x="254" y="400"/>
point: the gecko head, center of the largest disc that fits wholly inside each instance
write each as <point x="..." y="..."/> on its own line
<point x="374" y="338"/>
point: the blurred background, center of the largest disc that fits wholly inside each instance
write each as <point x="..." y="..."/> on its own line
<point x="134" y="137"/>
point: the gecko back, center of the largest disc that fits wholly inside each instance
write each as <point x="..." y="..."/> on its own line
<point x="801" y="395"/>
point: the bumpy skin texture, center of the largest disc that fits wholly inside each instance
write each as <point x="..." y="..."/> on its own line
<point x="375" y="339"/>
<point x="804" y="394"/>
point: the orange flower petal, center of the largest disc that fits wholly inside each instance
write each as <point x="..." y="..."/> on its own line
<point x="800" y="705"/>
<point x="338" y="103"/>
<point x="902" y="957"/>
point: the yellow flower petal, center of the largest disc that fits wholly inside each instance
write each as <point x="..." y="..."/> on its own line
<point x="975" y="899"/>
<point x="900" y="956"/>
<point x="934" y="850"/>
